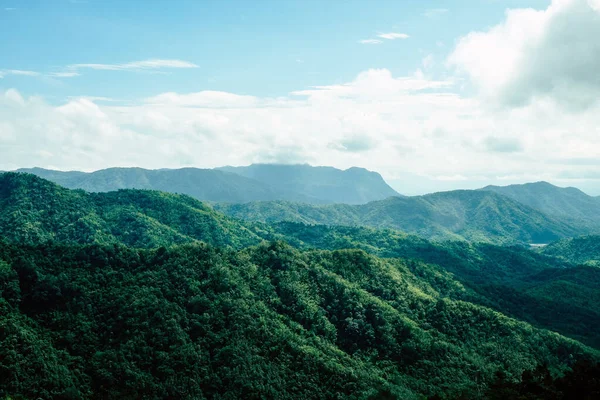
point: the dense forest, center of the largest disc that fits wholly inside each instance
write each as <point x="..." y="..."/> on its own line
<point x="198" y="322"/>
<point x="580" y="250"/>
<point x="141" y="294"/>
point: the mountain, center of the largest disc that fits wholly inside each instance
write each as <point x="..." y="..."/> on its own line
<point x="261" y="182"/>
<point x="34" y="210"/>
<point x="552" y="200"/>
<point x="480" y="216"/>
<point x="202" y="184"/>
<point x="118" y="295"/>
<point x="580" y="250"/>
<point x="351" y="186"/>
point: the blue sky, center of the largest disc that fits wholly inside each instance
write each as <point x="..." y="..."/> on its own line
<point x="434" y="95"/>
<point x="262" y="48"/>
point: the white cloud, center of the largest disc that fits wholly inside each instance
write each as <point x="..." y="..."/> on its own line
<point x="154" y="64"/>
<point x="64" y="74"/>
<point x="18" y="72"/>
<point x="205" y="98"/>
<point x="74" y="70"/>
<point x="92" y="98"/>
<point x="370" y="41"/>
<point x="393" y="36"/>
<point x="537" y="54"/>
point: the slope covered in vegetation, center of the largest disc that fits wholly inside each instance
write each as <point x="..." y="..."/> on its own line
<point x="201" y="322"/>
<point x="570" y="203"/>
<point x="142" y="294"/>
<point x="580" y="250"/>
<point x="477" y="216"/>
<point x="35" y="210"/>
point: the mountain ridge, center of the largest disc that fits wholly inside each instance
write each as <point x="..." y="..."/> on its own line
<point x="568" y="202"/>
<point x="482" y="216"/>
<point x="226" y="185"/>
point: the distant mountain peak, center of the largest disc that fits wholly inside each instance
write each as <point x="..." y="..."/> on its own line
<point x="553" y="200"/>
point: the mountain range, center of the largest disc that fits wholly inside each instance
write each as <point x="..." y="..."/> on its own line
<point x="530" y="213"/>
<point x="146" y="294"/>
<point x="302" y="183"/>
<point x="479" y="216"/>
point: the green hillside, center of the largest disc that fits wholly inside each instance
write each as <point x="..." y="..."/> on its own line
<point x="580" y="250"/>
<point x="34" y="210"/>
<point x="458" y="215"/>
<point x="545" y="291"/>
<point x="268" y="321"/>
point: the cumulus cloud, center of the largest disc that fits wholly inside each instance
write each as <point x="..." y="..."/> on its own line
<point x="205" y="98"/>
<point x="537" y="54"/>
<point x="353" y="144"/>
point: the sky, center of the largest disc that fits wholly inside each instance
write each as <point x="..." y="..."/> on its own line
<point x="434" y="95"/>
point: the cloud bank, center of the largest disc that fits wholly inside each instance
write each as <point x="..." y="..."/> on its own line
<point x="553" y="54"/>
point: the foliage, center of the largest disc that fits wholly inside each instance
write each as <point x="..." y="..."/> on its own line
<point x="268" y="321"/>
<point x="34" y="210"/>
<point x="143" y="294"/>
<point x="580" y="250"/>
<point x="544" y="291"/>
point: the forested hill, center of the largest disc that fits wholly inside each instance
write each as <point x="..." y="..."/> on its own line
<point x="269" y="321"/>
<point x="35" y="210"/>
<point x="552" y="200"/>
<point x="351" y="186"/>
<point x="478" y="216"/>
<point x="580" y="250"/>
<point x="260" y="182"/>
